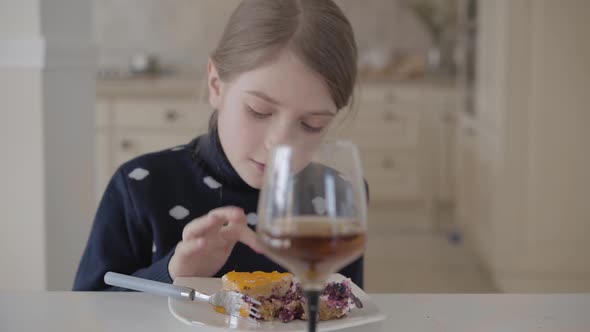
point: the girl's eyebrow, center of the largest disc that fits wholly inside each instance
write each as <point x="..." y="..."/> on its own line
<point x="275" y="102"/>
<point x="264" y="96"/>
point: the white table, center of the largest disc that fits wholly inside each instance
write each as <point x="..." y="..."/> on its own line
<point x="70" y="311"/>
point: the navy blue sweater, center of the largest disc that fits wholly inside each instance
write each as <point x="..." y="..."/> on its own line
<point x="148" y="202"/>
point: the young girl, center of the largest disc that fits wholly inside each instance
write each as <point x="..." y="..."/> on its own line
<point x="280" y="73"/>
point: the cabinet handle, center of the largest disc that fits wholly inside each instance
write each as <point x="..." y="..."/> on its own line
<point x="390" y="116"/>
<point x="126" y="144"/>
<point x="470" y="132"/>
<point x="171" y="115"/>
<point x="389" y="97"/>
<point x="447" y="118"/>
<point x="388" y="163"/>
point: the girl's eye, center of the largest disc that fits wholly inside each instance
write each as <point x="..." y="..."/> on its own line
<point x="311" y="129"/>
<point x="257" y="115"/>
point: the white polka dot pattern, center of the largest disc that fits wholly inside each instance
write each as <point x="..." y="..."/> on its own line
<point x="211" y="182"/>
<point x="139" y="174"/>
<point x="179" y="212"/>
<point x="252" y="219"/>
<point x="319" y="205"/>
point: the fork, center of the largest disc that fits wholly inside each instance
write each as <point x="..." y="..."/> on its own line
<point x="233" y="303"/>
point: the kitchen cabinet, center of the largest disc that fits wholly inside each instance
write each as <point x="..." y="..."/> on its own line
<point x="401" y="129"/>
<point x="139" y="116"/>
<point x="404" y="133"/>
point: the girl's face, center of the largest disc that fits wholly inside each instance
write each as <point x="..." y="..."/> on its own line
<point x="281" y="102"/>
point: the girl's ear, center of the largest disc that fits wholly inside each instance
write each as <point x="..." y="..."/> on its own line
<point x="214" y="84"/>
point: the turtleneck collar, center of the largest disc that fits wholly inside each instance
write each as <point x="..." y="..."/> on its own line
<point x="209" y="154"/>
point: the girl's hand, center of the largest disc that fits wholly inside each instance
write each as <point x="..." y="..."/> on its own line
<point x="208" y="241"/>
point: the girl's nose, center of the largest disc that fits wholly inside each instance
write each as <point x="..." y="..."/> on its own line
<point x="277" y="134"/>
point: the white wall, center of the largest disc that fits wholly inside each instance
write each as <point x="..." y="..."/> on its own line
<point x="183" y="33"/>
<point x="559" y="138"/>
<point x="22" y="239"/>
<point x="20" y="19"/>
<point x="533" y="214"/>
<point x="46" y="97"/>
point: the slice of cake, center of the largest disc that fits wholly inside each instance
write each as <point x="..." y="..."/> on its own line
<point x="282" y="297"/>
<point x="335" y="301"/>
<point x="258" y="284"/>
<point x="262" y="286"/>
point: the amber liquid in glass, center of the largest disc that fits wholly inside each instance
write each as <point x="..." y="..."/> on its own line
<point x="313" y="247"/>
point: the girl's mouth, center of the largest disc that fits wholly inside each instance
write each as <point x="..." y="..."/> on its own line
<point x="259" y="166"/>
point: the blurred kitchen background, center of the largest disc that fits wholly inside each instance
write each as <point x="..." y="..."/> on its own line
<point x="470" y="115"/>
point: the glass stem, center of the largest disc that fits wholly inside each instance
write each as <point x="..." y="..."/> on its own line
<point x="313" y="297"/>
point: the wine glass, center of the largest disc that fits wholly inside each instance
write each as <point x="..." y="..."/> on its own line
<point x="313" y="213"/>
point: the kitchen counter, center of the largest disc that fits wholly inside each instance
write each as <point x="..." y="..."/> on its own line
<point x="116" y="311"/>
<point x="194" y="87"/>
<point x="173" y="87"/>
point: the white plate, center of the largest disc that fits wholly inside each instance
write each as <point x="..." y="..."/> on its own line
<point x="202" y="314"/>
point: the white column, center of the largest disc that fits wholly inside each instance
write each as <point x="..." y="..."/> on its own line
<point x="46" y="169"/>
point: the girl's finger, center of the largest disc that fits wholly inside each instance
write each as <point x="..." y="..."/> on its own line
<point x="228" y="217"/>
<point x="210" y="223"/>
<point x="249" y="238"/>
<point x="217" y="224"/>
<point x="198" y="227"/>
<point x="241" y="232"/>
<point x="231" y="214"/>
<point x="191" y="247"/>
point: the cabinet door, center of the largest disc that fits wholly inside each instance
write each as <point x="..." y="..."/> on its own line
<point x="439" y="133"/>
<point x="128" y="145"/>
<point x="102" y="154"/>
<point x="102" y="114"/>
<point x="384" y="126"/>
<point x="102" y="164"/>
<point x="162" y="114"/>
<point x="392" y="175"/>
<point x="472" y="191"/>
